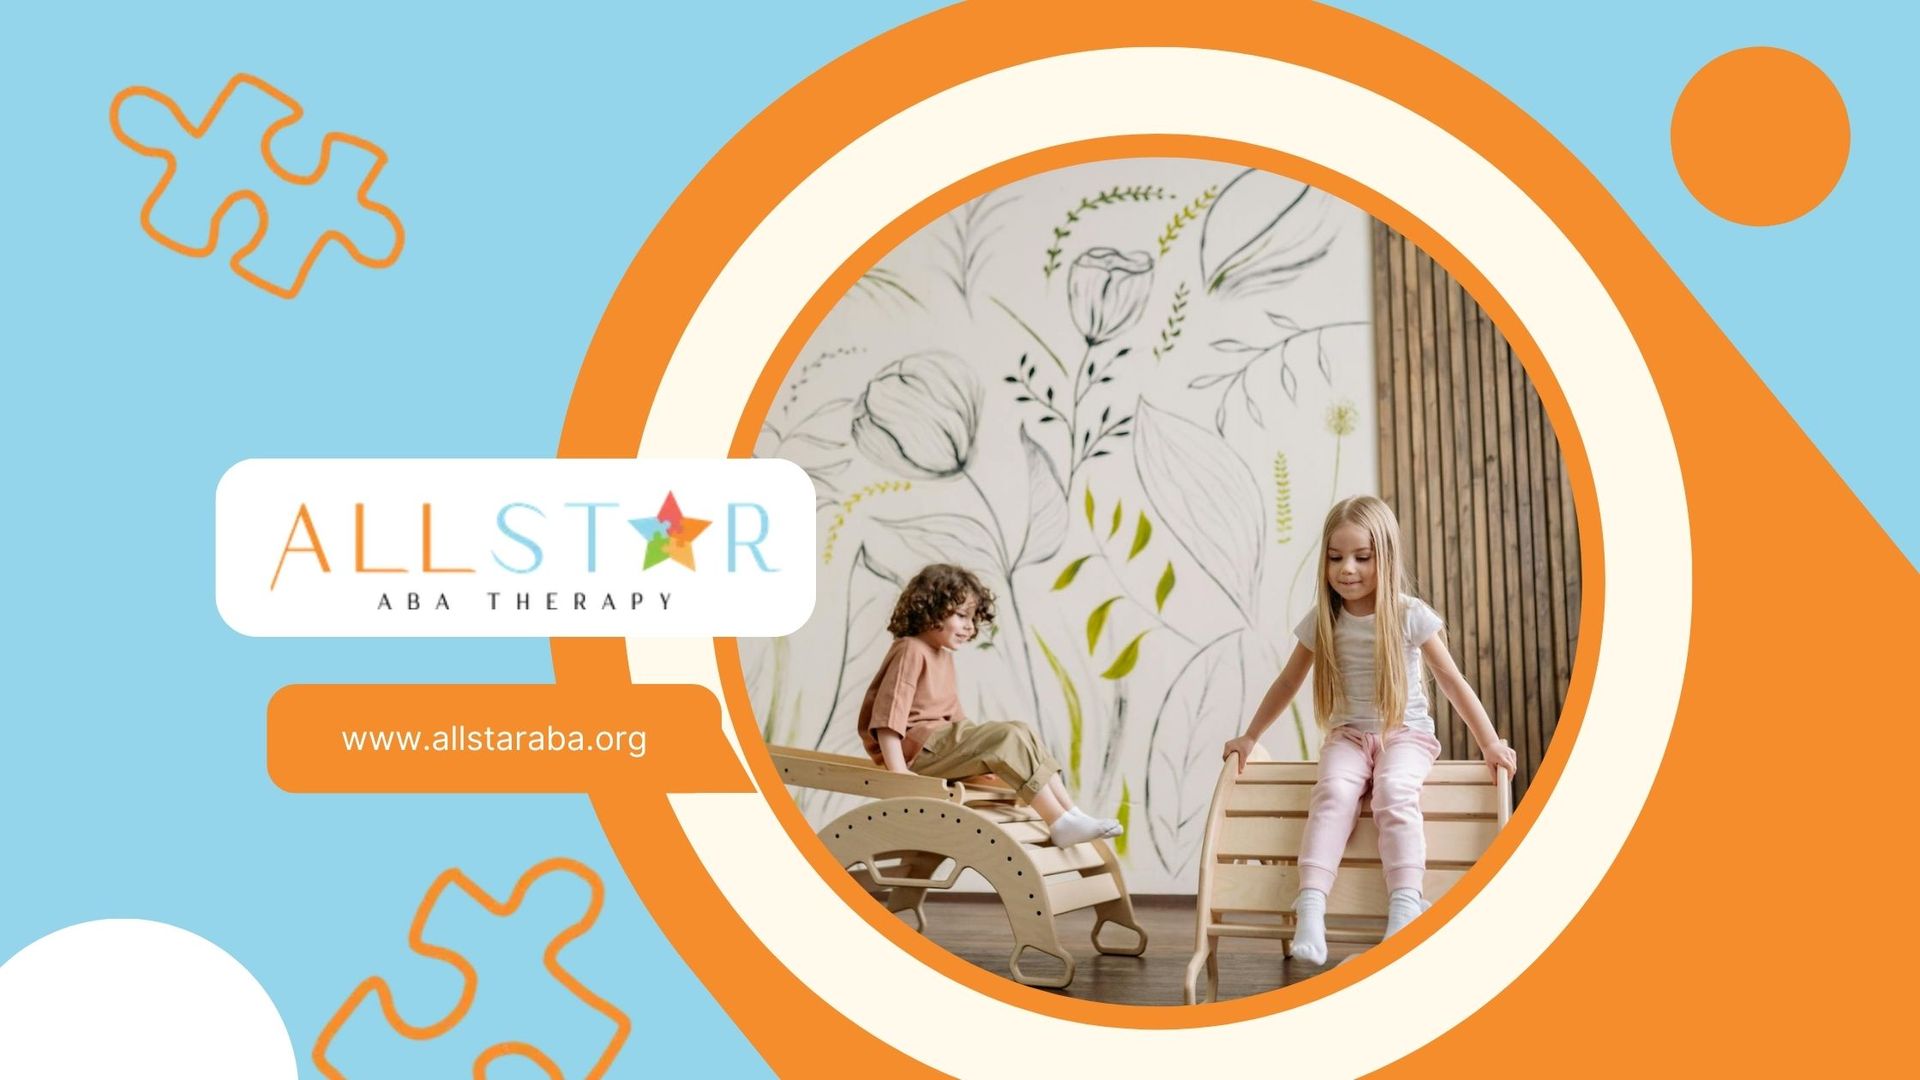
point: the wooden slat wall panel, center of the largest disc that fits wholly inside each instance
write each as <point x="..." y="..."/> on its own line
<point x="1494" y="689"/>
<point x="1469" y="462"/>
<point x="1461" y="573"/>
<point x="1383" y="371"/>
<point x="1416" y="477"/>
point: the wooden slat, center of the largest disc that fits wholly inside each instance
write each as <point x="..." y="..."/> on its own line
<point x="1360" y="891"/>
<point x="1494" y="688"/>
<point x="1477" y="664"/>
<point x="1435" y="799"/>
<point x="1526" y="659"/>
<point x="1224" y="929"/>
<point x="1029" y="832"/>
<point x="1053" y="860"/>
<point x="1071" y="892"/>
<point x="1461" y="633"/>
<point x="1402" y="377"/>
<point x="796" y="753"/>
<point x="1303" y="772"/>
<point x="1440" y="534"/>
<point x="1510" y="480"/>
<point x="1004" y="812"/>
<point x="1570" y="529"/>
<point x="1560" y="638"/>
<point x="854" y="776"/>
<point x="1382" y="362"/>
<point x="1439" y="470"/>
<point x="1360" y="929"/>
<point x="1546" y="684"/>
<point x="1570" y="588"/>
<point x="1415" y="477"/>
<point x="1432" y="547"/>
<point x="1456" y="841"/>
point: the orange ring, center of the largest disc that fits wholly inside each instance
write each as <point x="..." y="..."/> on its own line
<point x="794" y="136"/>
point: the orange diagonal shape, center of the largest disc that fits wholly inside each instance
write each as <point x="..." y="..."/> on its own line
<point x="259" y="204"/>
<point x="470" y="980"/>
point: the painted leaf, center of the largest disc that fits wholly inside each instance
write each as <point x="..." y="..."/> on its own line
<point x="1128" y="657"/>
<point x="1164" y="589"/>
<point x="864" y="560"/>
<point x="1097" y="622"/>
<point x="1125" y="816"/>
<point x="1207" y="498"/>
<point x="1142" y="533"/>
<point x="1118" y="513"/>
<point x="1089" y="506"/>
<point x="1073" y="570"/>
<point x="871" y="589"/>
<point x="1253" y="408"/>
<point x="816" y="440"/>
<point x="1204" y="706"/>
<point x="1046" y="505"/>
<point x="1075" y="724"/>
<point x="1262" y="232"/>
<point x="948" y="538"/>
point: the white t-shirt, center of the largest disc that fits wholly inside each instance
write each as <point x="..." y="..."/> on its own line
<point x="1353" y="644"/>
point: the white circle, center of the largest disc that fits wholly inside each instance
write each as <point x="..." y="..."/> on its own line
<point x="131" y="997"/>
<point x="1496" y="227"/>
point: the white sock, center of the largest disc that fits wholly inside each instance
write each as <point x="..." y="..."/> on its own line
<point x="1310" y="926"/>
<point x="1074" y="827"/>
<point x="1403" y="906"/>
<point x="1077" y="827"/>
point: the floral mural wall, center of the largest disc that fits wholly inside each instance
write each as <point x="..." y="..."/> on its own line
<point x="1124" y="393"/>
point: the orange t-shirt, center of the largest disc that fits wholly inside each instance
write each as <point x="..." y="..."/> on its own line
<point x="914" y="693"/>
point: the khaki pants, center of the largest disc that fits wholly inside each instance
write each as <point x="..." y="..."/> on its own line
<point x="1008" y="750"/>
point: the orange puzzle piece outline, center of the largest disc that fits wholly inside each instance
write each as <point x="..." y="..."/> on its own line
<point x="470" y="979"/>
<point x="259" y="204"/>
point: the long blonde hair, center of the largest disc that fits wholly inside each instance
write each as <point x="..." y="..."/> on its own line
<point x="1391" y="584"/>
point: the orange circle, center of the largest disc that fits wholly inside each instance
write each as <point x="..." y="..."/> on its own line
<point x="1760" y="136"/>
<point x="778" y="367"/>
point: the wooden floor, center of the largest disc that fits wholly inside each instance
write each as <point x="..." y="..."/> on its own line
<point x="974" y="928"/>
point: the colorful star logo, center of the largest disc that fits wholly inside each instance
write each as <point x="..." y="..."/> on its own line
<point x="669" y="534"/>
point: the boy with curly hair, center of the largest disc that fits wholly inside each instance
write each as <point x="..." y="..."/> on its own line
<point x="911" y="721"/>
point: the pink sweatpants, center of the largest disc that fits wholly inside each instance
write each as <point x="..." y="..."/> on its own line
<point x="1351" y="762"/>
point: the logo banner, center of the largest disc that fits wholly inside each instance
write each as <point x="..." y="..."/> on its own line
<point x="514" y="548"/>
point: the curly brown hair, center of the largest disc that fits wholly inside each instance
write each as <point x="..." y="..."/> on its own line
<point x="936" y="592"/>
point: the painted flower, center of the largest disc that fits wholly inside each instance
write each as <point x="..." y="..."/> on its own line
<point x="1342" y="418"/>
<point x="1107" y="290"/>
<point x="919" y="416"/>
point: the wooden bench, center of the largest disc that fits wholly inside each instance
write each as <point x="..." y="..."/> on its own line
<point x="921" y="832"/>
<point x="1249" y="860"/>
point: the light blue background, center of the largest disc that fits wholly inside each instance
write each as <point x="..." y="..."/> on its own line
<point x="531" y="155"/>
<point x="1819" y="305"/>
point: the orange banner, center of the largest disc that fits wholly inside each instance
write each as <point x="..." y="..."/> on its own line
<point x="523" y="738"/>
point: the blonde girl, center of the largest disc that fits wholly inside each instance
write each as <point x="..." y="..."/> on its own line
<point x="1368" y="636"/>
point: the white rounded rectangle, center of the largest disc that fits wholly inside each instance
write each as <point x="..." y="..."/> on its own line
<point x="534" y="547"/>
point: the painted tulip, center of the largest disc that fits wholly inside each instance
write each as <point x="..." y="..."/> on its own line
<point x="1107" y="290"/>
<point x="919" y="415"/>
